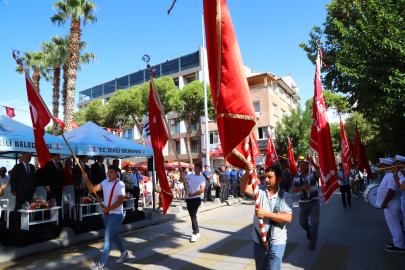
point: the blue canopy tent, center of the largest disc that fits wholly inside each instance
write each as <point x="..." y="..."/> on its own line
<point x="92" y="140"/>
<point x="16" y="137"/>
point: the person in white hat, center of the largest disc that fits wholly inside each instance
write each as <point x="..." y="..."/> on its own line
<point x="388" y="197"/>
<point x="399" y="176"/>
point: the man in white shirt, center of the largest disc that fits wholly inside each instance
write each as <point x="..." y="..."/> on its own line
<point x="399" y="177"/>
<point x="114" y="191"/>
<point x="196" y="186"/>
<point x="388" y="197"/>
<point x="4" y="178"/>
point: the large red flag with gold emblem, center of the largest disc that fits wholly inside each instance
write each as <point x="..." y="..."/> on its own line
<point x="158" y="137"/>
<point x="321" y="141"/>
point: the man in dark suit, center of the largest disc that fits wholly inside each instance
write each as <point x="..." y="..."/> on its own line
<point x="54" y="179"/>
<point x="23" y="185"/>
<point x="81" y="188"/>
<point x="98" y="173"/>
<point x="116" y="162"/>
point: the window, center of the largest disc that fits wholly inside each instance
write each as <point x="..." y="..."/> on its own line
<point x="194" y="127"/>
<point x="262" y="133"/>
<point x="128" y="134"/>
<point x="175" y="126"/>
<point x="256" y="106"/>
<point x="282" y="113"/>
<point x="194" y="146"/>
<point x="275" y="109"/>
<point x="178" y="148"/>
<point x="214" y="137"/>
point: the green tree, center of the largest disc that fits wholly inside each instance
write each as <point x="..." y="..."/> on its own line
<point x="100" y="114"/>
<point x="332" y="101"/>
<point x="75" y="11"/>
<point x="364" y="44"/>
<point x="190" y="106"/>
<point x="80" y="117"/>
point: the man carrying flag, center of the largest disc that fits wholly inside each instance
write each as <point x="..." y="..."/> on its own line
<point x="344" y="167"/>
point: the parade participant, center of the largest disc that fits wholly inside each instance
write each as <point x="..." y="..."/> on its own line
<point x="135" y="189"/>
<point x="234" y="182"/>
<point x="388" y="197"/>
<point x="354" y="178"/>
<point x="309" y="200"/>
<point x="276" y="211"/>
<point x="196" y="186"/>
<point x="114" y="192"/>
<point x="287" y="178"/>
<point x="207" y="174"/>
<point x="215" y="179"/>
<point x="344" y="185"/>
<point x="222" y="183"/>
<point x="399" y="177"/>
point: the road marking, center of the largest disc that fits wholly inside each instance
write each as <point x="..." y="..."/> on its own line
<point x="332" y="258"/>
<point x="160" y="256"/>
<point x="250" y="266"/>
<point x="210" y="259"/>
<point x="226" y="223"/>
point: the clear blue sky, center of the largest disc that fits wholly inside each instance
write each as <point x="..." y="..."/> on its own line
<point x="268" y="33"/>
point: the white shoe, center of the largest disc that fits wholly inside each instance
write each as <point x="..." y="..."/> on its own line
<point x="198" y="235"/>
<point x="98" y="266"/>
<point x="194" y="238"/>
<point x="123" y="257"/>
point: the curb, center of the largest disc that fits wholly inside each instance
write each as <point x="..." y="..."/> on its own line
<point x="68" y="238"/>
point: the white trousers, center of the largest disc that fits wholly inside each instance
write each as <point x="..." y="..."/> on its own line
<point x="393" y="218"/>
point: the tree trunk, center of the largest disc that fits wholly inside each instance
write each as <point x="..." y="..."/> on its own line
<point x="139" y="130"/>
<point x="190" y="158"/>
<point x="72" y="64"/>
<point x="64" y="91"/>
<point x="35" y="79"/>
<point x="55" y="96"/>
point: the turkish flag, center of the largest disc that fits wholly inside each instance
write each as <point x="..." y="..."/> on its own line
<point x="60" y="122"/>
<point x="109" y="129"/>
<point x="211" y="153"/>
<point x="40" y="119"/>
<point x="321" y="141"/>
<point x="74" y="124"/>
<point x="159" y="137"/>
<point x="10" y="112"/>
<point x="119" y="131"/>
<point x="346" y="157"/>
<point x="291" y="159"/>
<point x="216" y="153"/>
<point x="229" y="88"/>
<point x="271" y="154"/>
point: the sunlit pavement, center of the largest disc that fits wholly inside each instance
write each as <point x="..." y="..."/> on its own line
<point x="351" y="238"/>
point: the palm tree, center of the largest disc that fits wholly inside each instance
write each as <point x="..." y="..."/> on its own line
<point x="74" y="10"/>
<point x="35" y="61"/>
<point x="56" y="53"/>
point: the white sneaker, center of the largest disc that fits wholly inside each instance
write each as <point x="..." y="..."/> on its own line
<point x="194" y="238"/>
<point x="98" y="266"/>
<point x="198" y="235"/>
<point x="123" y="257"/>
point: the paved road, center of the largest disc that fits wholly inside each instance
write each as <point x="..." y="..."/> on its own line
<point x="352" y="238"/>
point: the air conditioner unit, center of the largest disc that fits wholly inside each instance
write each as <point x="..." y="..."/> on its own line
<point x="257" y="114"/>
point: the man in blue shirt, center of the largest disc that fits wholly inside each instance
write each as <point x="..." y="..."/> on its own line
<point x="207" y="192"/>
<point x="234" y="182"/>
<point x="344" y="184"/>
<point x="136" y="178"/>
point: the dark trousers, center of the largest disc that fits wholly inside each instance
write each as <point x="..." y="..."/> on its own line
<point x="207" y="191"/>
<point x="310" y="210"/>
<point x="218" y="192"/>
<point x="192" y="207"/>
<point x="345" y="190"/>
<point x="20" y="199"/>
<point x="234" y="188"/>
<point x="135" y="192"/>
<point x="81" y="193"/>
<point x="222" y="192"/>
<point x="58" y="199"/>
<point x="240" y="193"/>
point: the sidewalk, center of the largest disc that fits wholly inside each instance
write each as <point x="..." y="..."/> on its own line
<point x="68" y="238"/>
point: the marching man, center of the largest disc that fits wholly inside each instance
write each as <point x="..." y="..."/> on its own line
<point x="276" y="211"/>
<point x="399" y="176"/>
<point x="388" y="197"/>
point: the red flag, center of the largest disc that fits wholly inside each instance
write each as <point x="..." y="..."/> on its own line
<point x="321" y="141"/>
<point x="159" y="137"/>
<point x="346" y="157"/>
<point x="74" y="124"/>
<point x="40" y="119"/>
<point x="60" y="122"/>
<point x="351" y="146"/>
<point x="10" y="112"/>
<point x="271" y="154"/>
<point x="291" y="159"/>
<point x="119" y="131"/>
<point x="358" y="148"/>
<point x="109" y="129"/>
<point x="235" y="116"/>
<point x="255" y="147"/>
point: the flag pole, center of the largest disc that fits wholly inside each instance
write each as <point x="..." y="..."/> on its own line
<point x="167" y="128"/>
<point x="63" y="136"/>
